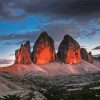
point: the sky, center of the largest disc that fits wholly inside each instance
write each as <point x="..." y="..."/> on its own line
<point x="22" y="20"/>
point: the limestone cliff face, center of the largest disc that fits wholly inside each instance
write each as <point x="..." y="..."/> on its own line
<point x="84" y="54"/>
<point x="90" y="57"/>
<point x="43" y="49"/>
<point x="23" y="55"/>
<point x="69" y="51"/>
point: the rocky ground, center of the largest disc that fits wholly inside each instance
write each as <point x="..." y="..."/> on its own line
<point x="29" y="87"/>
<point x="17" y="88"/>
<point x="53" y="69"/>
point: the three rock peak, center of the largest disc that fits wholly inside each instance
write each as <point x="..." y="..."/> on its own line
<point x="69" y="51"/>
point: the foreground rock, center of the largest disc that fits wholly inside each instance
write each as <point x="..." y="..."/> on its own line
<point x="12" y="88"/>
<point x="23" y="55"/>
<point x="69" y="51"/>
<point x="43" y="50"/>
<point x="74" y="87"/>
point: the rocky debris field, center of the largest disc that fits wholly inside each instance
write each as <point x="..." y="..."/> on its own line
<point x="29" y="87"/>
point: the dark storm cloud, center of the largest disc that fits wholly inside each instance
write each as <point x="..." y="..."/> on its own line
<point x="62" y="8"/>
<point x="96" y="48"/>
<point x="26" y="36"/>
<point x="17" y="39"/>
<point x="8" y="10"/>
<point x="50" y="8"/>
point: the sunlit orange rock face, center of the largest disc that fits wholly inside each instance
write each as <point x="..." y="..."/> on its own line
<point x="69" y="51"/>
<point x="23" y="55"/>
<point x="43" y="50"/>
<point x="73" y="56"/>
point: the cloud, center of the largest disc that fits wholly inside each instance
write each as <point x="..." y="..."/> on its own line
<point x="49" y="8"/>
<point x="55" y="10"/>
<point x="91" y="35"/>
<point x="96" y="48"/>
<point x="61" y="8"/>
<point x="11" y="54"/>
<point x="6" y="61"/>
<point x="13" y="36"/>
<point x="17" y="39"/>
<point x="58" y="29"/>
<point x="8" y="10"/>
<point x="88" y="35"/>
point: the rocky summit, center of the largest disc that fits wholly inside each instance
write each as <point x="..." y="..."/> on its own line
<point x="23" y="55"/>
<point x="69" y="51"/>
<point x="43" y="49"/>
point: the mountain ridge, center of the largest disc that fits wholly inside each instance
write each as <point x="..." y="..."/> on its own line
<point x="44" y="61"/>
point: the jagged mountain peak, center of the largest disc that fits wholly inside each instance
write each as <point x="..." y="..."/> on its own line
<point x="23" y="55"/>
<point x="44" y="33"/>
<point x="69" y="50"/>
<point x="43" y="49"/>
<point x="67" y="36"/>
<point x="70" y="42"/>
